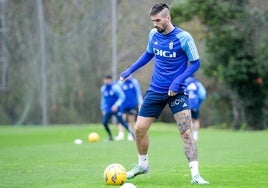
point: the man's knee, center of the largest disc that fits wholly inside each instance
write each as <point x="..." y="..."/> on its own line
<point x="139" y="128"/>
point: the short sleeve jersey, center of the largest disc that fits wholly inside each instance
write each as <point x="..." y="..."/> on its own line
<point x="172" y="52"/>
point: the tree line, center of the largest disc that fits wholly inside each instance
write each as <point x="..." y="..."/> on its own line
<point x="231" y="39"/>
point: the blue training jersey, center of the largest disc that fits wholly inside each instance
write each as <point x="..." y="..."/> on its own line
<point x="196" y="92"/>
<point x="172" y="52"/>
<point x="111" y="95"/>
<point x="132" y="92"/>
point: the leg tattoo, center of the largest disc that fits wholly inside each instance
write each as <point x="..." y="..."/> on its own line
<point x="183" y="120"/>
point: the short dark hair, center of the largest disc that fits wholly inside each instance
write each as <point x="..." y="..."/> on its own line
<point x="158" y="8"/>
<point x="107" y="76"/>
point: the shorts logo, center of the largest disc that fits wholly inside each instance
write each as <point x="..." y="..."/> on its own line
<point x="178" y="102"/>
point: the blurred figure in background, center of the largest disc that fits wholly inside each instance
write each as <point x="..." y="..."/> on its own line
<point x="112" y="98"/>
<point x="196" y="94"/>
<point x="131" y="104"/>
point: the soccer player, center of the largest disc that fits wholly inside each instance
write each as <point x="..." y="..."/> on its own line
<point x="172" y="49"/>
<point x="112" y="98"/>
<point x="131" y="104"/>
<point x="196" y="94"/>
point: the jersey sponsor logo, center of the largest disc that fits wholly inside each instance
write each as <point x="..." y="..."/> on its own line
<point x="164" y="53"/>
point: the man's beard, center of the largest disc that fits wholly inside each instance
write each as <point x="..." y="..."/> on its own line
<point x="161" y="30"/>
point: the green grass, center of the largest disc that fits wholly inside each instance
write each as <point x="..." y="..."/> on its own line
<point x="35" y="156"/>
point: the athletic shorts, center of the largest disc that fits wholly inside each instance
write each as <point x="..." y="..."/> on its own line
<point x="154" y="103"/>
<point x="131" y="111"/>
<point x="195" y="113"/>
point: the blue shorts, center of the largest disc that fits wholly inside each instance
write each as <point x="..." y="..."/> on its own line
<point x="131" y="111"/>
<point x="195" y="113"/>
<point x="154" y="103"/>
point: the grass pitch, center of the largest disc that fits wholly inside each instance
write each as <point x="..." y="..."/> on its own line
<point x="35" y="156"/>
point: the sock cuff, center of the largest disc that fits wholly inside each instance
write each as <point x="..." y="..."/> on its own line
<point x="143" y="156"/>
<point x="193" y="164"/>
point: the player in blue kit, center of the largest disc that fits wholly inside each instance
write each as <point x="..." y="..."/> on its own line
<point x="175" y="59"/>
<point x="196" y="94"/>
<point x="131" y="104"/>
<point x="112" y="98"/>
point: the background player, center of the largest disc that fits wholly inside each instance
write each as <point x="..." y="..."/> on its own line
<point x="172" y="49"/>
<point x="131" y="104"/>
<point x="196" y="94"/>
<point x="112" y="98"/>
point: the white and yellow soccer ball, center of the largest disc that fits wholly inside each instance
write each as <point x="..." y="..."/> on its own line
<point x="115" y="174"/>
<point x="128" y="185"/>
<point x="93" y="137"/>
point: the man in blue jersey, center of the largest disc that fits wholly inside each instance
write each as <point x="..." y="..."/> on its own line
<point x="196" y="95"/>
<point x="131" y="104"/>
<point x="112" y="98"/>
<point x="172" y="49"/>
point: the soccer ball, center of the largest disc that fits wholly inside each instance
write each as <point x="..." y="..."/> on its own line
<point x="115" y="174"/>
<point x="128" y="185"/>
<point x="93" y="137"/>
<point x="78" y="141"/>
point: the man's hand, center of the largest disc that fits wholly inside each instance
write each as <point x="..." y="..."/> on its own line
<point x="124" y="75"/>
<point x="114" y="108"/>
<point x="171" y="93"/>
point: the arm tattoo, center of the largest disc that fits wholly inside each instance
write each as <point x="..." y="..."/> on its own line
<point x="183" y="120"/>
